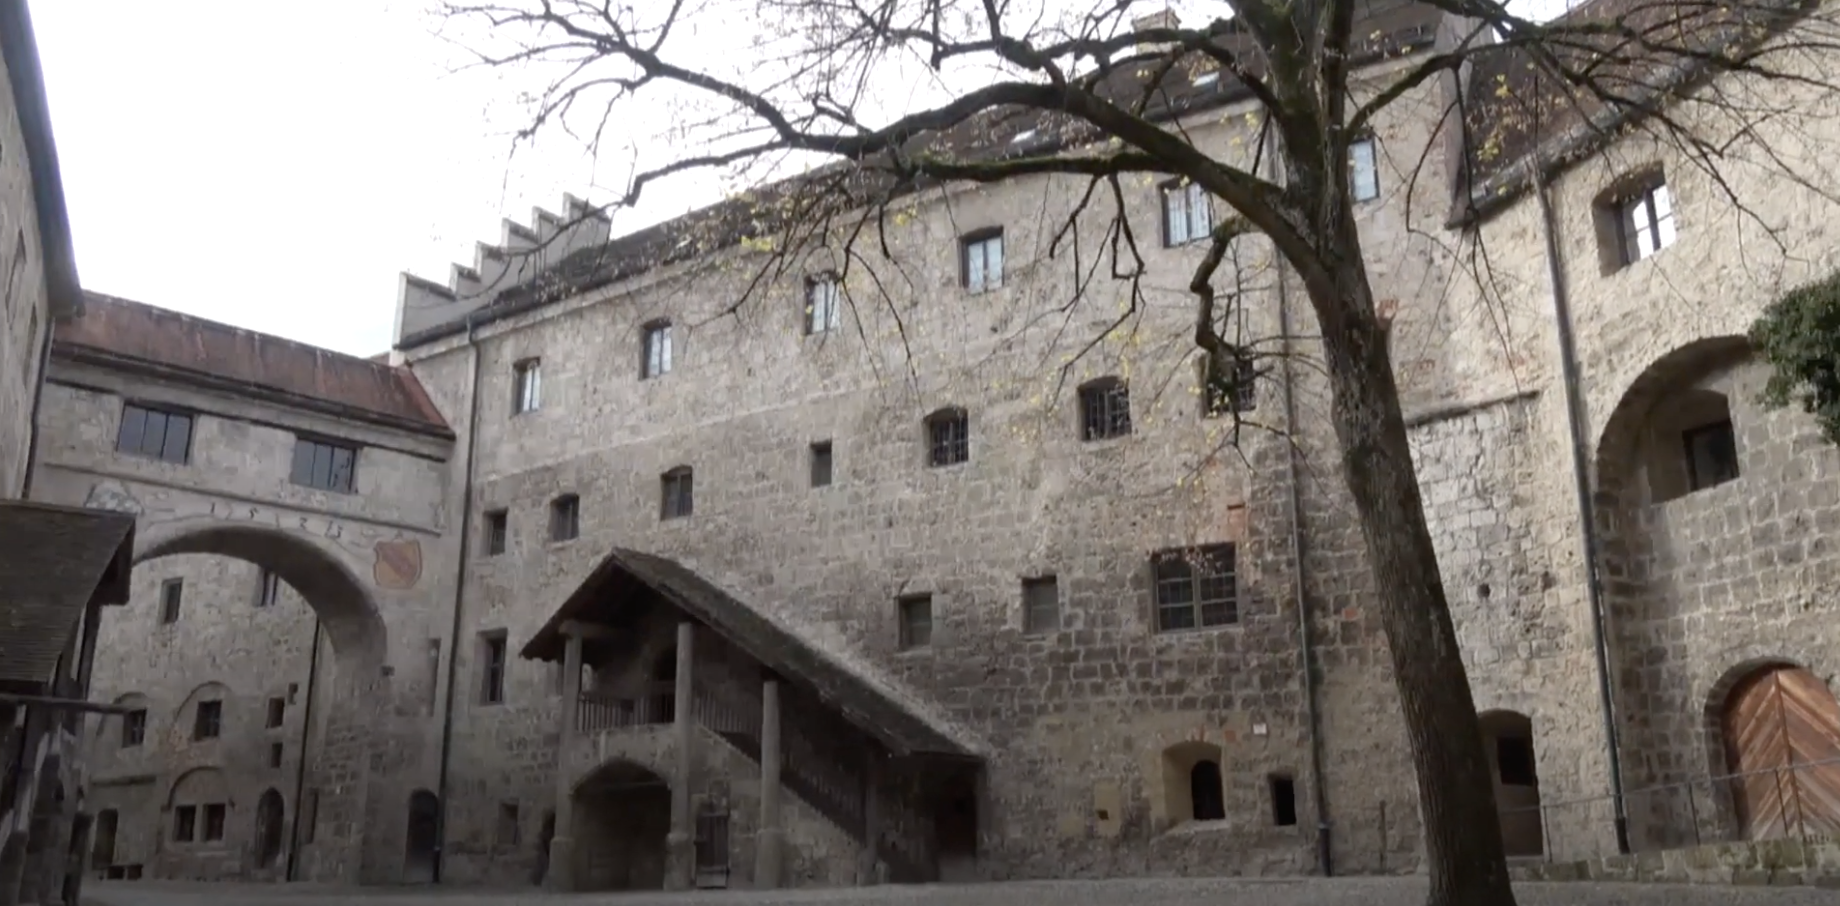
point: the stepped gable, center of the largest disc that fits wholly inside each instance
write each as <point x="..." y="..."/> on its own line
<point x="1516" y="108"/>
<point x="123" y="329"/>
<point x="1387" y="28"/>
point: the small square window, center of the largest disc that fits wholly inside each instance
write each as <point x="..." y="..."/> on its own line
<point x="981" y="260"/>
<point x="155" y="434"/>
<point x="208" y="720"/>
<point x="916" y="613"/>
<point x="133" y="728"/>
<point x="497" y="531"/>
<point x="1105" y="409"/>
<point x="1195" y="588"/>
<point x="1645" y="222"/>
<point x="1041" y="605"/>
<point x="657" y="350"/>
<point x="821" y="464"/>
<point x="1514" y="760"/>
<point x="324" y="465"/>
<point x="1188" y="213"/>
<point x="1363" y="170"/>
<point x="268" y="589"/>
<point x="677" y="493"/>
<point x="527" y="386"/>
<point x="275" y="751"/>
<point x="185" y="823"/>
<point x="172" y="594"/>
<point x="823" y="304"/>
<point x="214" y="815"/>
<point x="277" y="712"/>
<point x="492" y="667"/>
<point x="1712" y="455"/>
<point x="565" y="518"/>
<point x="1237" y="393"/>
<point x="948" y="436"/>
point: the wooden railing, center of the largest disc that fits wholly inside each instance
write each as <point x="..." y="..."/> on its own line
<point x="600" y="711"/>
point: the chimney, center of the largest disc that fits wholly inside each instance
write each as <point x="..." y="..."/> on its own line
<point x="1165" y="18"/>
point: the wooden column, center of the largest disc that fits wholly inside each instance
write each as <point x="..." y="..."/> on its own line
<point x="680" y="844"/>
<point x="562" y="846"/>
<point x="869" y="861"/>
<point x="770" y="840"/>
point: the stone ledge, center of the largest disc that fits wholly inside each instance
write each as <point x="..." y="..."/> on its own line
<point x="1814" y="862"/>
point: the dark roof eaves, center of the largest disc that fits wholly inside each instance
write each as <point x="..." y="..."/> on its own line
<point x="20" y="48"/>
<point x="94" y="355"/>
<point x="492" y="312"/>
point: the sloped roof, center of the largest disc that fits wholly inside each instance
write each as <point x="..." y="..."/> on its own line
<point x="871" y="703"/>
<point x="55" y="561"/>
<point x="145" y="333"/>
<point x="1384" y="29"/>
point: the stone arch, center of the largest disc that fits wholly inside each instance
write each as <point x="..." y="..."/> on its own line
<point x="198" y="786"/>
<point x="307" y="563"/>
<point x="1194" y="788"/>
<point x="1618" y="442"/>
<point x="621" y="816"/>
<point x="114" y="723"/>
<point x="271" y="811"/>
<point x="1513" y="772"/>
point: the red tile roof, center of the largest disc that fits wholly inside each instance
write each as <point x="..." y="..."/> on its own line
<point x="145" y="333"/>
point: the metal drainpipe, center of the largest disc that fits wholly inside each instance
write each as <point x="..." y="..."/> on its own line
<point x="1325" y="860"/>
<point x="1581" y="482"/>
<point x="453" y="635"/>
<point x="300" y="770"/>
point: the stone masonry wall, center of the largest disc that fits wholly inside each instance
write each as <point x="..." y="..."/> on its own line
<point x="24" y="315"/>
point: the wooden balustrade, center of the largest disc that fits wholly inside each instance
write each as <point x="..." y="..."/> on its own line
<point x="600" y="711"/>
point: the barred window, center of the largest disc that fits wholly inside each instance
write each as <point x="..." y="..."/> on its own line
<point x="1105" y="409"/>
<point x="948" y="436"/>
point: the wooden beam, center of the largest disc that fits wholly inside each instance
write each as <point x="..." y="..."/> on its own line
<point x="63" y="704"/>
<point x="587" y="630"/>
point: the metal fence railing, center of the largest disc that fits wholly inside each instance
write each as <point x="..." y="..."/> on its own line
<point x="1792" y="801"/>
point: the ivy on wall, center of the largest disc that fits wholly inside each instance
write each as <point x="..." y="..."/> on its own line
<point x="1799" y="336"/>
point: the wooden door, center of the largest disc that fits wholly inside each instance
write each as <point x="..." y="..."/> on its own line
<point x="1782" y="730"/>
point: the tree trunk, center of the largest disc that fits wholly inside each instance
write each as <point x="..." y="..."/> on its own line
<point x="1455" y="791"/>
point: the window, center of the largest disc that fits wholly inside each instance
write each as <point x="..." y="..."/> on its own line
<point x="1645" y="221"/>
<point x="1222" y="393"/>
<point x="268" y="589"/>
<point x="214" y="821"/>
<point x="527" y="386"/>
<point x="1195" y="588"/>
<point x="208" y="720"/>
<point x="508" y="824"/>
<point x="823" y="304"/>
<point x="821" y="464"/>
<point x="565" y="518"/>
<point x="1188" y="213"/>
<point x="657" y="360"/>
<point x="172" y="592"/>
<point x="134" y="728"/>
<point x="492" y="668"/>
<point x="323" y="465"/>
<point x="1207" y="797"/>
<point x="1105" y="409"/>
<point x="1041" y="605"/>
<point x="275" y="751"/>
<point x="1712" y="455"/>
<point x="497" y="530"/>
<point x="677" y="493"/>
<point x="948" y="437"/>
<point x="1363" y="169"/>
<point x="916" y="612"/>
<point x="185" y="823"/>
<point x="981" y="260"/>
<point x="1283" y="800"/>
<point x="155" y="433"/>
<point x="277" y="712"/>
<point x="1514" y="760"/>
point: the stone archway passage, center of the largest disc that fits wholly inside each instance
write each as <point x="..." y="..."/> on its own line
<point x="423" y="837"/>
<point x="1782" y="730"/>
<point x="622" y="814"/>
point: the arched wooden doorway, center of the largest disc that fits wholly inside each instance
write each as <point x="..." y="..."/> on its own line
<point x="423" y="837"/>
<point x="269" y="814"/>
<point x="1781" y="724"/>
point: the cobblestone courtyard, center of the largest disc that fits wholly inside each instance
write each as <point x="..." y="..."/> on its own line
<point x="1170" y="892"/>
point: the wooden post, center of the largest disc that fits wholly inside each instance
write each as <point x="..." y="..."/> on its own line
<point x="868" y="863"/>
<point x="680" y="844"/>
<point x="562" y="846"/>
<point x="770" y="839"/>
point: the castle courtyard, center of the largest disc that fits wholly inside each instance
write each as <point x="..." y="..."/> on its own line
<point x="1137" y="892"/>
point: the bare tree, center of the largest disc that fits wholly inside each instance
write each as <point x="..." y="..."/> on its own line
<point x="1105" y="89"/>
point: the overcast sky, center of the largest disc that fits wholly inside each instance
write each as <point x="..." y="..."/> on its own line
<point x="274" y="164"/>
